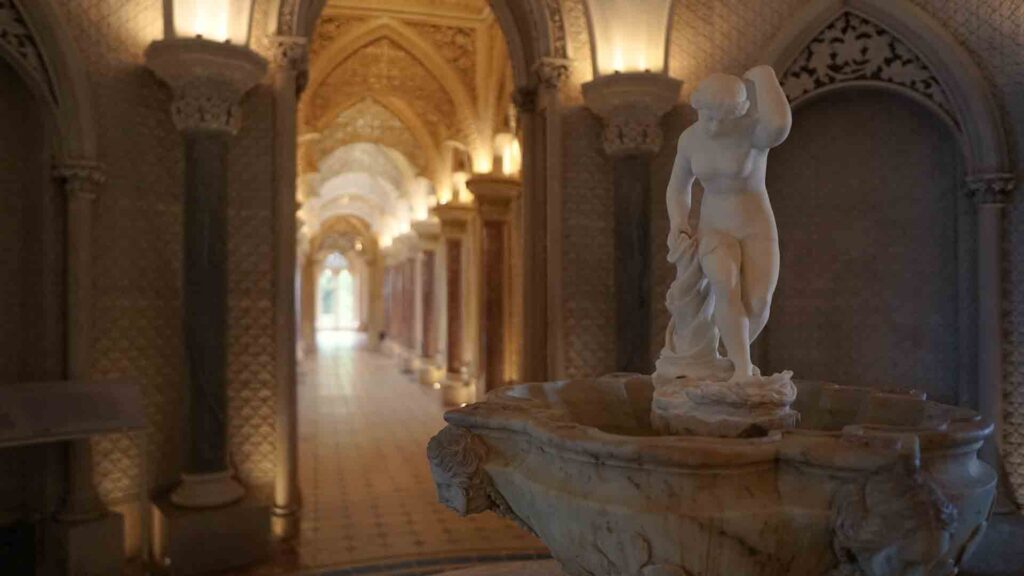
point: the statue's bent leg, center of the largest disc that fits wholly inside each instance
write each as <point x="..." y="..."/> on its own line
<point x="760" y="275"/>
<point x="721" y="258"/>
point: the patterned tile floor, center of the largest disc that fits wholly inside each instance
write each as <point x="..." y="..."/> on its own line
<point x="368" y="498"/>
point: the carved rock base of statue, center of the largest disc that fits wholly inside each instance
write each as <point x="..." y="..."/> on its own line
<point x="748" y="409"/>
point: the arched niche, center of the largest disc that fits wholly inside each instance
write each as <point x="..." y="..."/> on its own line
<point x="833" y="45"/>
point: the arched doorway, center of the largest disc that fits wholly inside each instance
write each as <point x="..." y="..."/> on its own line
<point x="867" y="186"/>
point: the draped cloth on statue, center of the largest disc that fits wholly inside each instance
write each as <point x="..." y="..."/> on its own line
<point x="691" y="340"/>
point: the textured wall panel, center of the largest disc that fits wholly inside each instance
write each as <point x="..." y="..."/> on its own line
<point x="588" y="276"/>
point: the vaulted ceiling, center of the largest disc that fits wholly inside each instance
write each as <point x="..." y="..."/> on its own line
<point x="418" y="78"/>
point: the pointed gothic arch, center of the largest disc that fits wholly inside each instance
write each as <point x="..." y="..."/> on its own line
<point x="923" y="61"/>
<point x="409" y="40"/>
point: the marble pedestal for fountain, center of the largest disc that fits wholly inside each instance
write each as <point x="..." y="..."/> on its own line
<point x="866" y="483"/>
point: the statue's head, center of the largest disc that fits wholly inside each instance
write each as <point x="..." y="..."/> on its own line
<point x="719" y="99"/>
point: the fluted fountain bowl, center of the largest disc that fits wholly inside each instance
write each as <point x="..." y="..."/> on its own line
<point x="869" y="483"/>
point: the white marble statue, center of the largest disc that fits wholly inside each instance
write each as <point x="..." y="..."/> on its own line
<point x="728" y="267"/>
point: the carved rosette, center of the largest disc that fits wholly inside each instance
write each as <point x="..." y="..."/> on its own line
<point x="632" y="105"/>
<point x="893" y="522"/>
<point x="208" y="80"/>
<point x="993" y="189"/>
<point x="80" y="178"/>
<point x="456" y="458"/>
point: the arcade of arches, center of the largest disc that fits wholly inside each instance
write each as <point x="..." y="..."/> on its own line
<point x="254" y="249"/>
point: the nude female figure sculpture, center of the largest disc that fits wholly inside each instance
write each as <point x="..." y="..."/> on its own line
<point x="728" y="268"/>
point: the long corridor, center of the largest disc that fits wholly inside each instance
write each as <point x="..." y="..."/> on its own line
<point x="368" y="498"/>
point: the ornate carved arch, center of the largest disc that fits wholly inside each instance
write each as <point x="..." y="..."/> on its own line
<point x="410" y="40"/>
<point x="403" y="112"/>
<point x="35" y="40"/>
<point x="893" y="44"/>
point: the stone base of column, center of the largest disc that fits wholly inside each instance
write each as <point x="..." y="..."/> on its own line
<point x="458" y="390"/>
<point x="93" y="546"/>
<point x="207" y="490"/>
<point x="430" y="373"/>
<point x="284" y="522"/>
<point x="199" y="541"/>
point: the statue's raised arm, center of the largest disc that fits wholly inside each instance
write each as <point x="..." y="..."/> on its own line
<point x="770" y="107"/>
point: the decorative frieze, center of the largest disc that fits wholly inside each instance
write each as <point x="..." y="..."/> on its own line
<point x="991" y="188"/>
<point x="855" y="49"/>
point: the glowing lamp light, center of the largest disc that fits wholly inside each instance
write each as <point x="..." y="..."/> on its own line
<point x="509" y="153"/>
<point x="629" y="35"/>
<point x="216" y="20"/>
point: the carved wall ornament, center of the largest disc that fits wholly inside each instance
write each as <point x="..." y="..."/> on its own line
<point x="635" y="132"/>
<point x="291" y="52"/>
<point x="853" y="48"/>
<point x="556" y="23"/>
<point x="206" y="106"/>
<point x="991" y="188"/>
<point x="80" y="178"/>
<point x="893" y="522"/>
<point x="552" y="71"/>
<point x="16" y="38"/>
<point x="329" y="28"/>
<point x="456" y="458"/>
<point x="457" y="45"/>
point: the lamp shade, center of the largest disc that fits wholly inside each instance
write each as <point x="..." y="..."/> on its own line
<point x="629" y="35"/>
<point x="216" y="20"/>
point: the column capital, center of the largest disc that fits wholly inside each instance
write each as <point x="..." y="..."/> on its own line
<point x="290" y="52"/>
<point x="991" y="189"/>
<point x="208" y="79"/>
<point x="428" y="230"/>
<point x="552" y="71"/>
<point x="494" y="195"/>
<point x="81" y="178"/>
<point x="454" y="218"/>
<point x="631" y="105"/>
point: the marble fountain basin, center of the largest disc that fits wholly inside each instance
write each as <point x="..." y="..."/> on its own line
<point x="868" y="484"/>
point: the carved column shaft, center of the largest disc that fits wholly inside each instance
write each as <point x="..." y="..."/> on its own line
<point x="494" y="197"/>
<point x="454" y="227"/>
<point x="632" y="105"/>
<point x="80" y="181"/>
<point x="290" y="63"/>
<point x="991" y="193"/>
<point x="208" y="80"/>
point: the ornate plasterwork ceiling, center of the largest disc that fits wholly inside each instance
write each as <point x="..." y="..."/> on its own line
<point x="370" y="121"/>
<point x="448" y="9"/>
<point x="384" y="69"/>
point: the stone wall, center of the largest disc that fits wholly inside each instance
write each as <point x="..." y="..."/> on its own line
<point x="138" y="247"/>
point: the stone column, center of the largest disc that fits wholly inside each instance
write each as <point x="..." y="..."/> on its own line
<point x="91" y="537"/>
<point x="991" y="193"/>
<point x="454" y="227"/>
<point x="632" y="105"/>
<point x="289" y="65"/>
<point x="494" y="197"/>
<point x="429" y="232"/>
<point x="208" y="79"/>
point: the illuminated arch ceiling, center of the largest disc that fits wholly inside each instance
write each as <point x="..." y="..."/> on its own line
<point x="406" y="76"/>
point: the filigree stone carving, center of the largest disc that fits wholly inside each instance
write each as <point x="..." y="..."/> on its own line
<point x="208" y="80"/>
<point x="206" y="106"/>
<point x="631" y="105"/>
<point x="329" y="28"/>
<point x="456" y="45"/>
<point x="16" y="38"/>
<point x="557" y="25"/>
<point x="991" y="188"/>
<point x="80" y="178"/>
<point x="456" y="458"/>
<point x="853" y="48"/>
<point x="894" y="523"/>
